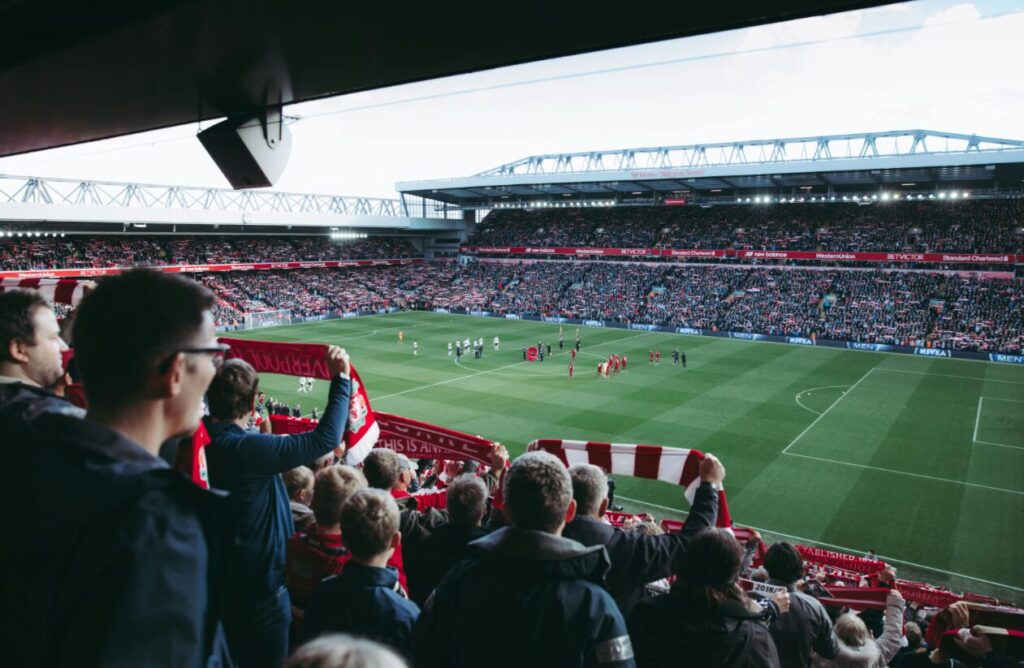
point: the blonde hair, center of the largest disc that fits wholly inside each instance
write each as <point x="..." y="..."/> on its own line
<point x="852" y="631"/>
<point x="342" y="651"/>
<point x="334" y="486"/>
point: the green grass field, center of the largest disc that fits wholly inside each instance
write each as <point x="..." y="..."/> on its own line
<point x="921" y="459"/>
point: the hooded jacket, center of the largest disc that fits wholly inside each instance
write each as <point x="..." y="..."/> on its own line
<point x="527" y="598"/>
<point x="107" y="556"/>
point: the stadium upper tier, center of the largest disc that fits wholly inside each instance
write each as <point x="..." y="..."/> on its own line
<point x="902" y="161"/>
<point x="897" y="227"/>
<point x="75" y="252"/>
<point x="909" y="308"/>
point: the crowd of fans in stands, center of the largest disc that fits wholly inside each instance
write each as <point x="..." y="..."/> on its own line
<point x="909" y="308"/>
<point x="920" y="227"/>
<point x="347" y="559"/>
<point x="78" y="252"/>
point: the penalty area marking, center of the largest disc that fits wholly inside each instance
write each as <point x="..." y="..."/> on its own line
<point x="834" y="547"/>
<point x="977" y="421"/>
<point x="813" y="389"/>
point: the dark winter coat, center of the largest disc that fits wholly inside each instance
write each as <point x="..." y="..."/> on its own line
<point x="666" y="632"/>
<point x="637" y="559"/>
<point x="527" y="598"/>
<point x="107" y="556"/>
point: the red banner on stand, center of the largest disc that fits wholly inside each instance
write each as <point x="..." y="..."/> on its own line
<point x="200" y="268"/>
<point x="827" y="256"/>
<point x="839" y="560"/>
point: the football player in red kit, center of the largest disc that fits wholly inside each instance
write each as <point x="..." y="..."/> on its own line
<point x="572" y="353"/>
<point x="616" y="363"/>
<point x="657" y="357"/>
<point x="571" y="368"/>
<point x="650" y="357"/>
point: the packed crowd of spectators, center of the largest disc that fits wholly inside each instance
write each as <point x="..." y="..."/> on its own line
<point x="909" y="308"/>
<point x="921" y="227"/>
<point x="250" y="548"/>
<point x="78" y="252"/>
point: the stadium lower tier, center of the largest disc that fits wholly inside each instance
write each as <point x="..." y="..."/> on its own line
<point x="962" y="311"/>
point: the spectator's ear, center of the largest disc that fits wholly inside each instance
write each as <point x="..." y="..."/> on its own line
<point x="16" y="350"/>
<point x="570" y="513"/>
<point x="172" y="377"/>
<point x="603" y="507"/>
<point x="396" y="540"/>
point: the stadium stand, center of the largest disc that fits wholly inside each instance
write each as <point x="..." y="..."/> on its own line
<point x="968" y="227"/>
<point x="912" y="308"/>
<point x="83" y="252"/>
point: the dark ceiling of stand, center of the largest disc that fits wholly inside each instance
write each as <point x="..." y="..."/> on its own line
<point x="73" y="72"/>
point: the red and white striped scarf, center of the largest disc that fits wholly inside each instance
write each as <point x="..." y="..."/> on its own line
<point x="654" y="462"/>
<point x="55" y="290"/>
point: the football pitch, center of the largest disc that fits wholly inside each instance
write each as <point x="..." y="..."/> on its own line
<point x="920" y="459"/>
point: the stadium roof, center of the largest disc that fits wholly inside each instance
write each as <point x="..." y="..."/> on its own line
<point x="73" y="71"/>
<point x="904" y="159"/>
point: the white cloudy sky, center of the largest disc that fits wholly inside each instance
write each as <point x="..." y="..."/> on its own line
<point x="932" y="64"/>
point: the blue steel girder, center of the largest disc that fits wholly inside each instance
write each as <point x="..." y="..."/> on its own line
<point x="770" y="151"/>
<point x="36" y="190"/>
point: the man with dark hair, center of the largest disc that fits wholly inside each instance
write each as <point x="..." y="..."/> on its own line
<point x="363" y="600"/>
<point x="528" y="591"/>
<point x="638" y="560"/>
<point x="806" y="626"/>
<point x="131" y="576"/>
<point x="249" y="466"/>
<point x="447" y="544"/>
<point x="30" y="349"/>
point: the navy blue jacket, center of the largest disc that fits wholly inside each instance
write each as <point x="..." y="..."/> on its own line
<point x="432" y="558"/>
<point x="527" y="598"/>
<point x="249" y="466"/>
<point x="638" y="559"/>
<point x="107" y="556"/>
<point x="362" y="601"/>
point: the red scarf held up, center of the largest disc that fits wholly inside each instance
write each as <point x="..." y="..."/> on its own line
<point x="308" y="360"/>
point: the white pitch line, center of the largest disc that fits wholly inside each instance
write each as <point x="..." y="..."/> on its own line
<point x="826" y="411"/>
<point x="799" y="394"/>
<point x="977" y="420"/>
<point x="1000" y="445"/>
<point x="544" y="376"/>
<point x="907" y="473"/>
<point x="951" y="375"/>
<point x="834" y="547"/>
<point x="482" y="373"/>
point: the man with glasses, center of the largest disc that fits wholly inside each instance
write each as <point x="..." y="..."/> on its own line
<point x="249" y="465"/>
<point x="112" y="560"/>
